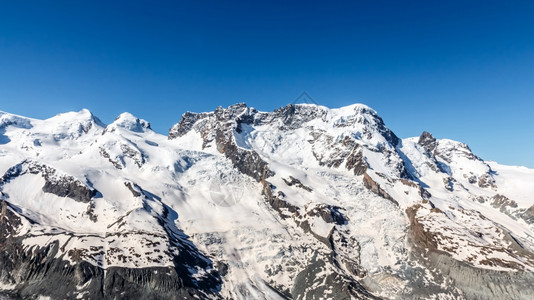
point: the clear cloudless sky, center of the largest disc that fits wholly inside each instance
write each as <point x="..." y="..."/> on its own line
<point x="460" y="69"/>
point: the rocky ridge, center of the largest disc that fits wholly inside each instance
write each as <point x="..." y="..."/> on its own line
<point x="299" y="203"/>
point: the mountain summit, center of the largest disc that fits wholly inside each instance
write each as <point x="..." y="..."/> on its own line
<point x="303" y="202"/>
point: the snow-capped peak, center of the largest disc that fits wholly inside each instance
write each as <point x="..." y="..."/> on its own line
<point x="71" y="124"/>
<point x="83" y="116"/>
<point x="356" y="108"/>
<point x="7" y="119"/>
<point x="302" y="202"/>
<point x="129" y="122"/>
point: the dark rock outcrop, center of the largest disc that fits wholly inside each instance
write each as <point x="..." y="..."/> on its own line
<point x="246" y="161"/>
<point x="277" y="201"/>
<point x="69" y="187"/>
<point x="356" y="162"/>
<point x="219" y="127"/>
<point x="427" y="140"/>
<point x="425" y="195"/>
<point x="91" y="212"/>
<point x="294" y="116"/>
<point x="334" y="285"/>
<point x="57" y="184"/>
<point x="134" y="189"/>
<point x="419" y="235"/>
<point x="374" y="187"/>
<point x="127" y="150"/>
<point x="528" y="215"/>
<point x="330" y="214"/>
<point x="39" y="271"/>
<point x="292" y="181"/>
<point x="486" y="180"/>
<point x="114" y="162"/>
<point x="185" y="125"/>
<point x="502" y="202"/>
<point x="469" y="282"/>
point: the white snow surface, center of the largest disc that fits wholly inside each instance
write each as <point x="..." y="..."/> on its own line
<point x="207" y="201"/>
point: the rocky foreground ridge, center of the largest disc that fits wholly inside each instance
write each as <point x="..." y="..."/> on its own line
<point x="304" y="202"/>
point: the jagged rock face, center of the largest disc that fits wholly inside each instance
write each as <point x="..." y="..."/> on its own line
<point x="218" y="128"/>
<point x="125" y="153"/>
<point x="427" y="140"/>
<point x="246" y="161"/>
<point x="528" y="215"/>
<point x="60" y="185"/>
<point x="40" y="271"/>
<point x="74" y="225"/>
<point x="292" y="181"/>
<point x="304" y="202"/>
<point x="389" y="169"/>
<point x="470" y="282"/>
<point x="65" y="264"/>
<point x="185" y="125"/>
<point x="286" y="118"/>
<point x="359" y="129"/>
<point x="374" y="187"/>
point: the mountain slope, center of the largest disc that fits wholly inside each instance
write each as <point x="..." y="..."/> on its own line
<point x="303" y="202"/>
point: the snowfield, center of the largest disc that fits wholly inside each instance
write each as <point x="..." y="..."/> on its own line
<point x="305" y="202"/>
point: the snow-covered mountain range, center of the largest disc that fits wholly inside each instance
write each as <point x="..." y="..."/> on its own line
<point x="304" y="202"/>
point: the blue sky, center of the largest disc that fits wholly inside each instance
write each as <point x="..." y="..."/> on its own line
<point x="460" y="69"/>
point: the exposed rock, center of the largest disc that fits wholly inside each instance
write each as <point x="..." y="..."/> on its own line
<point x="246" y="161"/>
<point x="9" y="222"/>
<point x="91" y="212"/>
<point x="38" y="271"/>
<point x="221" y="267"/>
<point x="67" y="186"/>
<point x="135" y="154"/>
<point x="428" y="141"/>
<point x="293" y="116"/>
<point x="124" y="150"/>
<point x="356" y="162"/>
<point x="329" y="213"/>
<point x="447" y="151"/>
<point x="476" y="283"/>
<point x="472" y="179"/>
<point x="502" y="202"/>
<point x="425" y="195"/>
<point x="528" y="215"/>
<point x="277" y="202"/>
<point x="105" y="154"/>
<point x="448" y="182"/>
<point x="485" y="181"/>
<point x="292" y="181"/>
<point x="185" y="125"/>
<point x="335" y="154"/>
<point x="374" y="187"/>
<point x="472" y="282"/>
<point x="57" y="184"/>
<point x="419" y="235"/>
<point x="333" y="285"/>
<point x="218" y="127"/>
<point x="134" y="188"/>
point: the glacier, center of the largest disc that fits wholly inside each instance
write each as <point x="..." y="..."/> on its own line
<point x="304" y="202"/>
